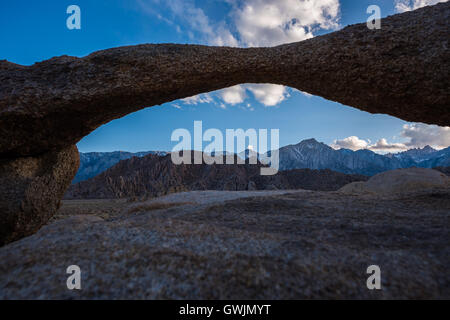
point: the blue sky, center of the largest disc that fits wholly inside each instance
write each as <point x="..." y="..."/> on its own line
<point x="36" y="31"/>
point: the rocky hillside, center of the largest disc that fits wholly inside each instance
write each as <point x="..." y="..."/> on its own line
<point x="445" y="170"/>
<point x="94" y="163"/>
<point x="155" y="175"/>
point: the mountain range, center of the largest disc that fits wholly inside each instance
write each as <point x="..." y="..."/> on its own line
<point x="308" y="154"/>
<point x="153" y="175"/>
<point x="94" y="163"/>
<point x="312" y="154"/>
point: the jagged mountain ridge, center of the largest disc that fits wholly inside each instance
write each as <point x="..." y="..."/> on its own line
<point x="154" y="175"/>
<point x="308" y="154"/>
<point x="312" y="154"/>
<point x="94" y="163"/>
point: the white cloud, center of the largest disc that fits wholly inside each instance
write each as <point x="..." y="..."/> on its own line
<point x="419" y="135"/>
<point x="268" y="94"/>
<point x="353" y="143"/>
<point x="408" y="5"/>
<point x="274" y="22"/>
<point x="223" y="37"/>
<point x="200" y="98"/>
<point x="233" y="95"/>
<point x="251" y="23"/>
<point x="193" y="19"/>
<point x="383" y="146"/>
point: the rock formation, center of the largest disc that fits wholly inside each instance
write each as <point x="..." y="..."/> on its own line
<point x="31" y="189"/>
<point x="300" y="245"/>
<point x="400" y="181"/>
<point x="401" y="69"/>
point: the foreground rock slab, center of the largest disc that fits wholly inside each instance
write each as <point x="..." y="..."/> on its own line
<point x="31" y="189"/>
<point x="400" y="181"/>
<point x="302" y="245"/>
<point x="401" y="70"/>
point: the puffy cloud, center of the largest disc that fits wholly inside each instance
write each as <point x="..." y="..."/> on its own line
<point x="408" y="5"/>
<point x="383" y="146"/>
<point x="353" y="143"/>
<point x="254" y="22"/>
<point x="233" y="95"/>
<point x="268" y="94"/>
<point x="250" y="23"/>
<point x="419" y="135"/>
<point x="274" y="22"/>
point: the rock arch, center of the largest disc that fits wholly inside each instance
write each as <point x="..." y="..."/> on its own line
<point x="45" y="109"/>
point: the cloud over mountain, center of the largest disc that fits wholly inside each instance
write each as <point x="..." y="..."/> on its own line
<point x="420" y="135"/>
<point x="417" y="135"/>
<point x="409" y="5"/>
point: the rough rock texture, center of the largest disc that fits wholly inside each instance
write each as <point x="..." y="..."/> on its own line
<point x="401" y="70"/>
<point x="302" y="245"/>
<point x="94" y="163"/>
<point x="445" y="170"/>
<point x="400" y="181"/>
<point x="31" y="189"/>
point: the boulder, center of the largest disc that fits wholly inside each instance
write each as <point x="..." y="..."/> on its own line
<point x="400" y="181"/>
<point x="31" y="189"/>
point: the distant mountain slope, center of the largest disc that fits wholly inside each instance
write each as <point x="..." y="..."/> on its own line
<point x="438" y="159"/>
<point x="416" y="154"/>
<point x="155" y="175"/>
<point x="94" y="163"/>
<point x="308" y="154"/>
<point x="312" y="154"/>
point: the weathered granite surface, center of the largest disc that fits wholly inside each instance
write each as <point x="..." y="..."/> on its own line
<point x="399" y="181"/>
<point x="31" y="189"/>
<point x="302" y="245"/>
